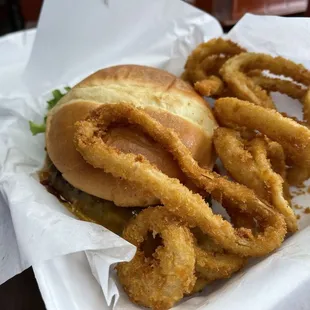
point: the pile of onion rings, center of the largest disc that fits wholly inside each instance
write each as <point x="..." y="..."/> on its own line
<point x="227" y="248"/>
<point x="220" y="68"/>
<point x="177" y="198"/>
<point x="255" y="143"/>
<point x="253" y="86"/>
<point x="266" y="176"/>
<point x="291" y="135"/>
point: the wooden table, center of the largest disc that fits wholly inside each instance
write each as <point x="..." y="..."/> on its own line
<point x="21" y="293"/>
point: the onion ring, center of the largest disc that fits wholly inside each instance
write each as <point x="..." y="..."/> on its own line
<point x="277" y="157"/>
<point x="291" y="89"/>
<point x="210" y="87"/>
<point x="204" y="63"/>
<point x="274" y="182"/>
<point x="287" y="87"/>
<point x="212" y="263"/>
<point x="178" y="199"/>
<point x="213" y="266"/>
<point x="159" y="281"/>
<point x="248" y="163"/>
<point x="293" y="137"/>
<point x="234" y="74"/>
<point x="306" y="107"/>
<point x="230" y="148"/>
<point x="213" y="63"/>
<point x="298" y="174"/>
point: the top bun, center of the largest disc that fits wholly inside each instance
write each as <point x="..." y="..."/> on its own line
<point x="164" y="97"/>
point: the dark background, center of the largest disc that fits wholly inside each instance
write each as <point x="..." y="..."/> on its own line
<point x="21" y="292"/>
<point x="20" y="14"/>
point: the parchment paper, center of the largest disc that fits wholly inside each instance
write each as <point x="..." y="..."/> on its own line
<point x="76" y="38"/>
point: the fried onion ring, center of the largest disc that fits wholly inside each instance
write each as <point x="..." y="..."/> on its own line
<point x="292" y="136"/>
<point x="306" y="107"/>
<point x="291" y="89"/>
<point x="287" y="87"/>
<point x="277" y="157"/>
<point x="274" y="182"/>
<point x="248" y="163"/>
<point x="296" y="174"/>
<point x="161" y="280"/>
<point x="234" y="74"/>
<point x="204" y="63"/>
<point x="211" y="86"/>
<point x="230" y="147"/>
<point x="178" y="199"/>
<point x="215" y="265"/>
<point x="212" y="263"/>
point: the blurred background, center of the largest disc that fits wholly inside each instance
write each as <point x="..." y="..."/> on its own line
<point x="21" y="14"/>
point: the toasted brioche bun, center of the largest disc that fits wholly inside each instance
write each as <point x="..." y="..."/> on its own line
<point x="164" y="97"/>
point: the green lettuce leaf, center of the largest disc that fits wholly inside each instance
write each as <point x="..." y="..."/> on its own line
<point x="39" y="128"/>
<point x="36" y="128"/>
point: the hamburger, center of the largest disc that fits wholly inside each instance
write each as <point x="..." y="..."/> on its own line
<point x="92" y="193"/>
